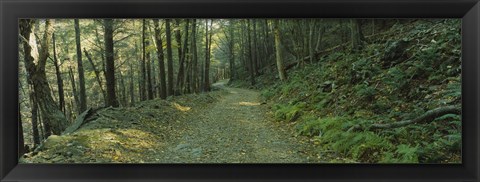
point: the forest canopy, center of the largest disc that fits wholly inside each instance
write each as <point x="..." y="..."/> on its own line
<point x="240" y="90"/>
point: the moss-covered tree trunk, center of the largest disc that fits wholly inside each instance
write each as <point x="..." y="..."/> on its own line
<point x="52" y="116"/>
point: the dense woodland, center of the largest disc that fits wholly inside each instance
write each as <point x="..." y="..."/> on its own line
<point x="350" y="90"/>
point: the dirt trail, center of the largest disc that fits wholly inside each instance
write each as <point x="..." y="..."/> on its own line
<point x="235" y="129"/>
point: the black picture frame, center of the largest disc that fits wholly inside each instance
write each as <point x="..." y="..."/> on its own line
<point x="12" y="10"/>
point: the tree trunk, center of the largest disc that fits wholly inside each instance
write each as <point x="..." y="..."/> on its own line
<point x="310" y="40"/>
<point x="61" y="94"/>
<point x="21" y="140"/>
<point x="123" y="89"/>
<point x="278" y="52"/>
<point x="132" y="94"/>
<point x="231" y="51"/>
<point x="243" y="46"/>
<point x="356" y="34"/>
<point x="161" y="64"/>
<point x="149" y="71"/>
<point x="110" y="64"/>
<point x="169" y="58"/>
<point x="206" y="84"/>
<point x="74" y="89"/>
<point x="194" y="57"/>
<point x="181" y="54"/>
<point x="81" y="75"/>
<point x="254" y="47"/>
<point x="51" y="113"/>
<point x="251" y="56"/>
<point x="178" y="40"/>
<point x="319" y="40"/>
<point x="97" y="76"/>
<point x="34" y="120"/>
<point x="143" y="78"/>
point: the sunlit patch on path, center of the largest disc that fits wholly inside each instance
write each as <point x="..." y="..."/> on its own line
<point x="180" y="107"/>
<point x="249" y="103"/>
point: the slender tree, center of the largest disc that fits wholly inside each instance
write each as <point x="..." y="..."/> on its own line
<point x="278" y="52"/>
<point x="34" y="119"/>
<point x="146" y="54"/>
<point x="97" y="75"/>
<point x="81" y="75"/>
<point x="21" y="142"/>
<point x="206" y="84"/>
<point x="254" y="47"/>
<point x="231" y="56"/>
<point x="310" y="40"/>
<point x="74" y="88"/>
<point x="143" y="78"/>
<point x="130" y="86"/>
<point x="251" y="55"/>
<point x="61" y="94"/>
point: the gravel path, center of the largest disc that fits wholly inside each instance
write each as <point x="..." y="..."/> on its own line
<point x="236" y="129"/>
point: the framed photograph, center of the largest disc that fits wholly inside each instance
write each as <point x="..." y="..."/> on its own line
<point x="244" y="90"/>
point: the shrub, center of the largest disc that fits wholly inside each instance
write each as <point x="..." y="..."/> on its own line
<point x="267" y="94"/>
<point x="365" y="92"/>
<point x="285" y="112"/>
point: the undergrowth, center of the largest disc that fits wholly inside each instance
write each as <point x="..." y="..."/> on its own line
<point x="388" y="81"/>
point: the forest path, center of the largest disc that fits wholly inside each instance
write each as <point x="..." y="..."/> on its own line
<point x="236" y="129"/>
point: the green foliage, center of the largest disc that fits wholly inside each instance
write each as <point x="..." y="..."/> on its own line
<point x="268" y="93"/>
<point x="365" y="92"/>
<point x="320" y="100"/>
<point x="285" y="112"/>
<point x="310" y="126"/>
<point x="362" y="69"/>
<point x="371" y="148"/>
<point x="454" y="90"/>
<point x="313" y="126"/>
<point x="393" y="78"/>
<point x="403" y="154"/>
<point x="331" y="133"/>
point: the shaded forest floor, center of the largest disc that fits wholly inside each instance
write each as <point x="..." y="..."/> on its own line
<point x="229" y="125"/>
